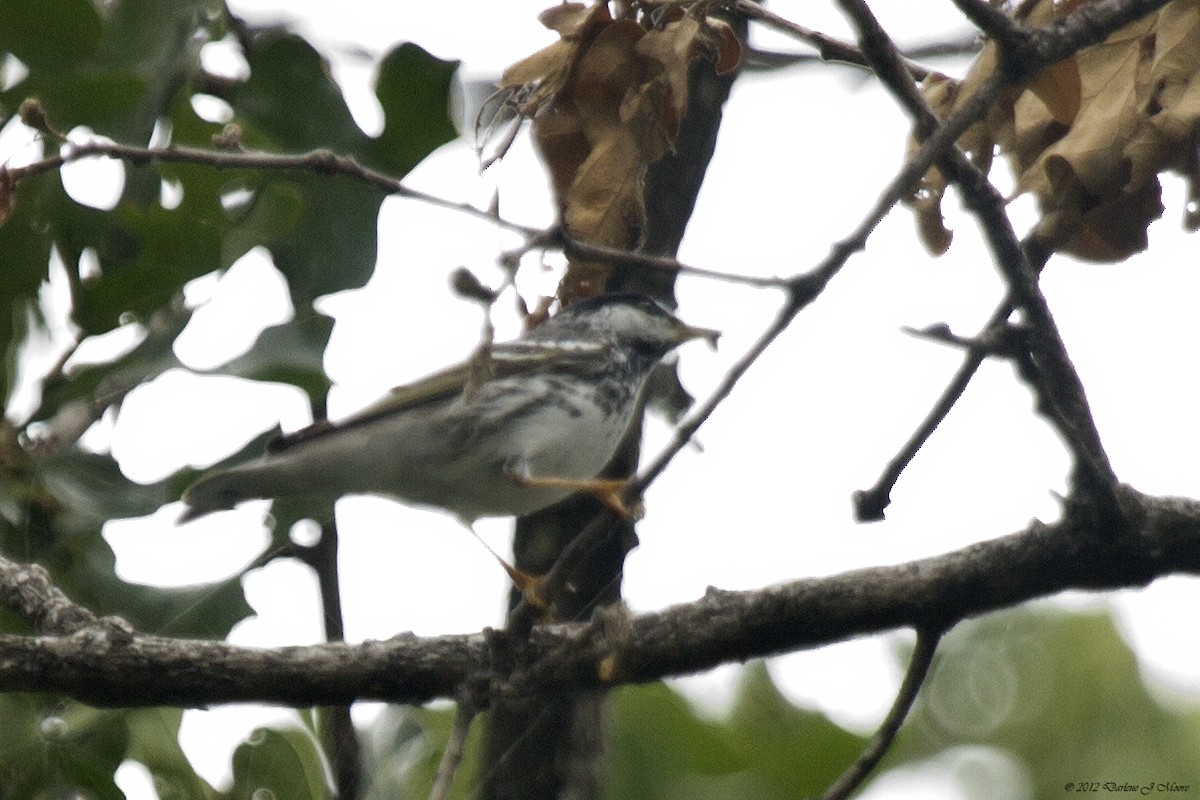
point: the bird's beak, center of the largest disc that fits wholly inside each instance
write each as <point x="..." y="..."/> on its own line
<point x="687" y="333"/>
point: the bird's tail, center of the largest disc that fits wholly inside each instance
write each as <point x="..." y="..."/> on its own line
<point x="224" y="489"/>
<point x="215" y="492"/>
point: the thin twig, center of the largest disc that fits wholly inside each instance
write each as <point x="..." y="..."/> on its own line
<point x="326" y="162"/>
<point x="628" y="258"/>
<point x="914" y="678"/>
<point x="869" y="504"/>
<point x="991" y="20"/>
<point x="341" y="740"/>
<point x="452" y="756"/>
<point x="320" y="162"/>
<point x="688" y="427"/>
<point x="829" y="48"/>
<point x="760" y="60"/>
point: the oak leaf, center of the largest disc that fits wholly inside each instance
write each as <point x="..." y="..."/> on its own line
<point x="607" y="100"/>
<point x="1089" y="136"/>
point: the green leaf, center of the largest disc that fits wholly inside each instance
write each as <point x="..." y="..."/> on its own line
<point x="291" y="103"/>
<point x="403" y="748"/>
<point x="53" y="748"/>
<point x="59" y="748"/>
<point x="334" y="248"/>
<point x="65" y="499"/>
<point x="100" y="99"/>
<point x="51" y="35"/>
<point x="292" y="352"/>
<point x="291" y="100"/>
<point x="26" y="249"/>
<point x="146" y="257"/>
<point x="271" y="217"/>
<point x="154" y="741"/>
<point x="286" y="762"/>
<point x="777" y="735"/>
<point x="1060" y="692"/>
<point x="91" y="489"/>
<point x="157" y="42"/>
<point x="413" y="88"/>
<point x="321" y="229"/>
<point x="767" y="748"/>
<point x="89" y="748"/>
<point x="114" y="73"/>
<point x="150" y="358"/>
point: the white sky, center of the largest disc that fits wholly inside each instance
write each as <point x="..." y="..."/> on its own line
<point x="801" y="158"/>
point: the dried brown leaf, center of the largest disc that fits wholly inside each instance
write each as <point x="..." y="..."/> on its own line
<point x="727" y="46"/>
<point x="548" y="70"/>
<point x="607" y="101"/>
<point x="1089" y="135"/>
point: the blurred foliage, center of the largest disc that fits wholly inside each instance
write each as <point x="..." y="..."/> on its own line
<point x="1060" y="693"/>
<point x="131" y="70"/>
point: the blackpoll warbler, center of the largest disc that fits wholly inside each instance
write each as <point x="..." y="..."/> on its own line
<point x="534" y="422"/>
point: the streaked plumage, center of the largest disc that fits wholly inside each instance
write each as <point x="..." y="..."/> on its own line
<point x="554" y="403"/>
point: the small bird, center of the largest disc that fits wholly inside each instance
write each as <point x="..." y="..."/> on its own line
<point x="520" y="427"/>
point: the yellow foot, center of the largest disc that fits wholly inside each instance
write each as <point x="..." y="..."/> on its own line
<point x="610" y="491"/>
<point x="530" y="586"/>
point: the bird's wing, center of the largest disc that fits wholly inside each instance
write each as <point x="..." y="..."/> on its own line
<point x="520" y="357"/>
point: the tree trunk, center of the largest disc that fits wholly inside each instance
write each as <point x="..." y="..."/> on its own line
<point x="551" y="748"/>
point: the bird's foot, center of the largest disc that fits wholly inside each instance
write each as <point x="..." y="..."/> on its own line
<point x="609" y="491"/>
<point x="529" y="585"/>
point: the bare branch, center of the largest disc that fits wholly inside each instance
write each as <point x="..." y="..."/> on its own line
<point x="760" y="60"/>
<point x="1162" y="537"/>
<point x="869" y="504"/>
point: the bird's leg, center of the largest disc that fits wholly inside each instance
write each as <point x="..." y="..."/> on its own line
<point x="609" y="491"/>
<point x="530" y="586"/>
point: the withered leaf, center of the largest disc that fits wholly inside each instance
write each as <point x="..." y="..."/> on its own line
<point x="607" y="100"/>
<point x="1091" y="134"/>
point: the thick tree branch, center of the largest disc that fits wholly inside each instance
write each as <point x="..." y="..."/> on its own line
<point x="26" y="590"/>
<point x="1162" y="537"/>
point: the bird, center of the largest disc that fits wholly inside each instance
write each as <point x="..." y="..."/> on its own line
<point x="518" y="428"/>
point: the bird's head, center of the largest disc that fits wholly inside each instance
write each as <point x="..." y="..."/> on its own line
<point x="631" y="319"/>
